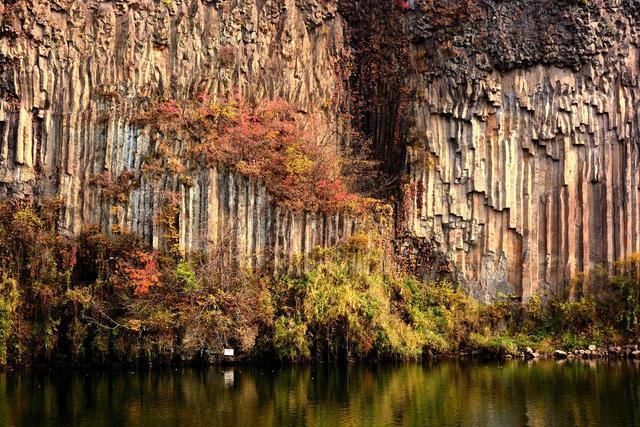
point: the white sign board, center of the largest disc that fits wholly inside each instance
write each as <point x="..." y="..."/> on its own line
<point x="228" y="352"/>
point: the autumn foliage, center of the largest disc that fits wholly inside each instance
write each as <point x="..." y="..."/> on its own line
<point x="143" y="272"/>
<point x="270" y="142"/>
<point x="402" y="4"/>
<point x="110" y="299"/>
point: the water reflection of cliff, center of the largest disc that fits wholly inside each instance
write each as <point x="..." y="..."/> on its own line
<point x="543" y="393"/>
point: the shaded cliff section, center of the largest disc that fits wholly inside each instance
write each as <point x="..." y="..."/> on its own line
<point x="73" y="75"/>
<point x="523" y="139"/>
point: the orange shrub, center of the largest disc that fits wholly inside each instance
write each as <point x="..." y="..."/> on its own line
<point x="144" y="273"/>
<point x="271" y="143"/>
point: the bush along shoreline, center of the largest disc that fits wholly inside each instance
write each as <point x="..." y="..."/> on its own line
<point x="110" y="299"/>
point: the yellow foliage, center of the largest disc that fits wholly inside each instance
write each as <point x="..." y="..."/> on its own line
<point x="296" y="161"/>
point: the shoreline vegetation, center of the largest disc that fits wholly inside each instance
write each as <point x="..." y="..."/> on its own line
<point x="98" y="299"/>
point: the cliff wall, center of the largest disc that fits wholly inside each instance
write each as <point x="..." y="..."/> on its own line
<point x="74" y="73"/>
<point x="521" y="124"/>
<point x="523" y="141"/>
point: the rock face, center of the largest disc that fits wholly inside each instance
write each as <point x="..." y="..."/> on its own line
<point x="522" y="124"/>
<point x="74" y="73"/>
<point x="524" y="142"/>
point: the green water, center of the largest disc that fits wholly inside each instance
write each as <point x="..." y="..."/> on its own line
<point x="439" y="394"/>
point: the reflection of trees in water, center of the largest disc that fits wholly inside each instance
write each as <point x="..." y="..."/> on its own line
<point x="541" y="393"/>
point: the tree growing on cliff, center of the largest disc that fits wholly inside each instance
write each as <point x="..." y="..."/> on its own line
<point x="270" y="142"/>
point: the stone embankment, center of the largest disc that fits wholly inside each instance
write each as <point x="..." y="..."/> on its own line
<point x="629" y="351"/>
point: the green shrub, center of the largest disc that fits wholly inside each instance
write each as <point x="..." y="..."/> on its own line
<point x="290" y="340"/>
<point x="629" y="301"/>
<point x="9" y="297"/>
<point x="493" y="345"/>
<point x="572" y="341"/>
<point x="353" y="314"/>
<point x="185" y="275"/>
<point x="81" y="292"/>
<point x="574" y="315"/>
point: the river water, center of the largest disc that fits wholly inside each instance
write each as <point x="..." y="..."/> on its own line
<point x="541" y="393"/>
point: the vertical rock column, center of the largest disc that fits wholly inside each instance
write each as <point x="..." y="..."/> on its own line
<point x="73" y="74"/>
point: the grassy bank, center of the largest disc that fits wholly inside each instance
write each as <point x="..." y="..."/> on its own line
<point x="110" y="299"/>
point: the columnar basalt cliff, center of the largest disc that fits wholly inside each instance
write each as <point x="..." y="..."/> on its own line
<point x="74" y="73"/>
<point x="521" y="124"/>
<point x="523" y="141"/>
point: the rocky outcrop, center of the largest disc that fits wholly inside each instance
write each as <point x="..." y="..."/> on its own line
<point x="522" y="125"/>
<point x="74" y="73"/>
<point x="524" y="142"/>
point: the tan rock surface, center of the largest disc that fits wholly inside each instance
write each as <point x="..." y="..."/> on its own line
<point x="527" y="176"/>
<point x="73" y="74"/>
<point x="524" y="138"/>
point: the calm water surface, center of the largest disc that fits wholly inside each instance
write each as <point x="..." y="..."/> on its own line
<point x="448" y="393"/>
